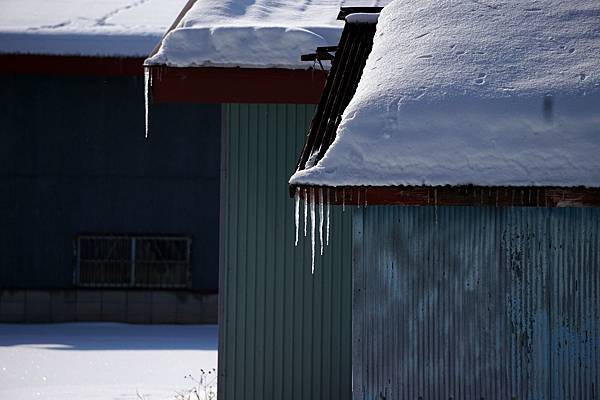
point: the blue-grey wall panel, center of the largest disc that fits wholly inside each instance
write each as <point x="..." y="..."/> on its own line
<point x="284" y="333"/>
<point x="476" y="303"/>
<point x="73" y="158"/>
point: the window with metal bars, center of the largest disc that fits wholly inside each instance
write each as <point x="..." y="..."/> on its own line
<point x="132" y="261"/>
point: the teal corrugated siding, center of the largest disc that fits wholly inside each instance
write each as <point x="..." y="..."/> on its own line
<point x="476" y="303"/>
<point x="284" y="333"/>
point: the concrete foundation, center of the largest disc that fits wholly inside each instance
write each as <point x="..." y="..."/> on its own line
<point x="131" y="306"/>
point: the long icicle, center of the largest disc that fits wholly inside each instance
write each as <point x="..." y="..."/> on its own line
<point x="328" y="214"/>
<point x="435" y="206"/>
<point x="305" y="210"/>
<point x="297" y="213"/>
<point x="321" y="217"/>
<point x="312" y="228"/>
<point x="147" y="85"/>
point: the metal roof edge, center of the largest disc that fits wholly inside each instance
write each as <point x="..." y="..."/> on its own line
<point x="345" y="11"/>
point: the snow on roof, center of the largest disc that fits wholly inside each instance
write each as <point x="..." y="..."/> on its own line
<point x="85" y="27"/>
<point x="473" y="92"/>
<point x="362" y="18"/>
<point x="258" y="34"/>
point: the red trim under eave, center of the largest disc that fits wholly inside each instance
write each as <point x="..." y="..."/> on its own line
<point x="70" y="65"/>
<point x="236" y="85"/>
<point x="183" y="85"/>
<point x="474" y="196"/>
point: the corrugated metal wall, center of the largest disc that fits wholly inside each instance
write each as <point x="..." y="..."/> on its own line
<point x="476" y="303"/>
<point x="284" y="333"/>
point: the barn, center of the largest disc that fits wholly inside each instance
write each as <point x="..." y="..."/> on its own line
<point x="465" y="141"/>
<point x="284" y="332"/>
<point x="97" y="222"/>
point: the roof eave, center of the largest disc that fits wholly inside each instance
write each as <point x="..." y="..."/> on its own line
<point x="211" y="85"/>
<point x="465" y="195"/>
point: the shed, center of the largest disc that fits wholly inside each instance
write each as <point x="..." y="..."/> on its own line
<point x="468" y="141"/>
<point x="284" y="333"/>
<point x="98" y="223"/>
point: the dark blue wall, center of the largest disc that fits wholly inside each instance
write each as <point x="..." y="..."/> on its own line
<point x="73" y="158"/>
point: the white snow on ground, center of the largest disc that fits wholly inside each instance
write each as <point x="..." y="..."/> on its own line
<point x="85" y="27"/>
<point x="474" y="92"/>
<point x="102" y="360"/>
<point x="253" y="33"/>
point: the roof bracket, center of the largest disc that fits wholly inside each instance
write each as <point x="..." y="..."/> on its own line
<point x="322" y="53"/>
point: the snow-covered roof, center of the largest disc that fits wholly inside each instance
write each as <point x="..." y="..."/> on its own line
<point x="486" y="92"/>
<point x="258" y="34"/>
<point x="85" y="27"/>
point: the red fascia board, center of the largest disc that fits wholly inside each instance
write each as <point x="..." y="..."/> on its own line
<point x="31" y="64"/>
<point x="475" y="196"/>
<point x="236" y="85"/>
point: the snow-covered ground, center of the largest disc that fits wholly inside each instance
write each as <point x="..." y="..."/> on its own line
<point x="102" y="360"/>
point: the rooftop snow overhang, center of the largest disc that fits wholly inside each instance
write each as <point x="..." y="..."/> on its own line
<point x="346" y="72"/>
<point x="294" y="81"/>
<point x="218" y="84"/>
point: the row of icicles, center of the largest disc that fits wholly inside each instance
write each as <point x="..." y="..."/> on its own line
<point x="311" y="199"/>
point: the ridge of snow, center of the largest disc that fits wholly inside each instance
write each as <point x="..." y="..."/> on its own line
<point x="85" y="27"/>
<point x="254" y="34"/>
<point x="464" y="92"/>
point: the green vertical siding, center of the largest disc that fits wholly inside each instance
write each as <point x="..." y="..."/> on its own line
<point x="284" y="333"/>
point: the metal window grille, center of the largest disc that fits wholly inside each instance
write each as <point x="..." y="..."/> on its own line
<point x="133" y="261"/>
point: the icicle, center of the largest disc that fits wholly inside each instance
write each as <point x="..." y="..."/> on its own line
<point x="343" y="200"/>
<point x="305" y="210"/>
<point x="358" y="199"/>
<point x="297" y="213"/>
<point x="328" y="213"/>
<point x="147" y="86"/>
<point x="321" y="217"/>
<point x="366" y="198"/>
<point x="312" y="228"/>
<point x="435" y="205"/>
